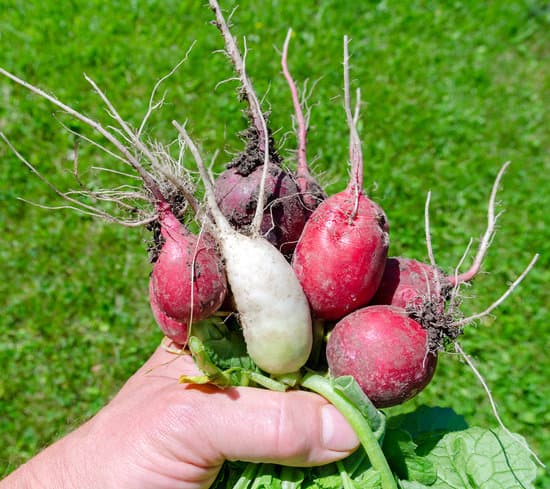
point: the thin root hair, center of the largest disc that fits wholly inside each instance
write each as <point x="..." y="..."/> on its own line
<point x="92" y="142"/>
<point x="76" y="204"/>
<point x="501" y="299"/>
<point x="301" y="120"/>
<point x="239" y="64"/>
<point x="356" y="155"/>
<point x="97" y="215"/>
<point x="453" y="300"/>
<point x="215" y="213"/>
<point x="491" y="399"/>
<point x="155" y="105"/>
<point x="428" y="231"/>
<point x="192" y="281"/>
<point x="116" y="172"/>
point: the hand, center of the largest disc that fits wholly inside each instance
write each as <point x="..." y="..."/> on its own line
<point x="159" y="434"/>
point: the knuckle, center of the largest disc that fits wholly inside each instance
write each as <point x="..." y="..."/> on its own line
<point x="287" y="434"/>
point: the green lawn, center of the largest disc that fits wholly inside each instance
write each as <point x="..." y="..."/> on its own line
<point x="452" y="90"/>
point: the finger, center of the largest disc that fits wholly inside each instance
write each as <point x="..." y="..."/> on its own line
<point x="295" y="428"/>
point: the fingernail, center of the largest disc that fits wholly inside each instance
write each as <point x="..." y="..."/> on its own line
<point x="336" y="432"/>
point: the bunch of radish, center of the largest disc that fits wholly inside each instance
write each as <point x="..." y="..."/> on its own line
<point x="300" y="270"/>
<point x="297" y="260"/>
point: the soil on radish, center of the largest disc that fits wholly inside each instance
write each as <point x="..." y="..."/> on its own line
<point x="236" y="190"/>
<point x="178" y="206"/>
<point x="426" y="293"/>
<point x="438" y="323"/>
<point x="253" y="155"/>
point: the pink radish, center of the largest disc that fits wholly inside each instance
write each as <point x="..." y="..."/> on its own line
<point x="341" y="254"/>
<point x="188" y="281"/>
<point x="407" y="282"/>
<point x="176" y="330"/>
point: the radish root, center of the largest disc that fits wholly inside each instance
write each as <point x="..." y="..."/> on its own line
<point x="256" y="113"/>
<point x="164" y="171"/>
<point x="311" y="192"/>
<point x="356" y="154"/>
<point x="501" y="299"/>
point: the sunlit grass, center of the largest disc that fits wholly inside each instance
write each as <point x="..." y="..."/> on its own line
<point x="450" y="92"/>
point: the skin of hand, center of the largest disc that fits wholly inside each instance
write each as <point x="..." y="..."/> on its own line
<point x="159" y="434"/>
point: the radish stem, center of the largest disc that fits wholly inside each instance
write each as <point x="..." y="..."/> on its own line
<point x="487" y="236"/>
<point x="248" y="475"/>
<point x="322" y="386"/>
<point x="302" y="169"/>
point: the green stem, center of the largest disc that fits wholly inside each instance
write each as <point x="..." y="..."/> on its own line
<point x="347" y="483"/>
<point x="247" y="476"/>
<point x="291" y="477"/>
<point x="267" y="382"/>
<point x="262" y="470"/>
<point x="322" y="386"/>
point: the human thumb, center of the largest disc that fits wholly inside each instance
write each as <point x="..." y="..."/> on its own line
<point x="294" y="428"/>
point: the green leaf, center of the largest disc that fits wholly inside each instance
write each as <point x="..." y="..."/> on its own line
<point x="477" y="458"/>
<point x="412" y="485"/>
<point x="347" y="482"/>
<point x="369" y="479"/>
<point x="463" y="458"/>
<point x="224" y="343"/>
<point x="202" y="359"/>
<point x="400" y="450"/>
<point x="224" y="378"/>
<point x="427" y="425"/>
<point x="357" y="463"/>
<point x="333" y="481"/>
<point x="235" y="475"/>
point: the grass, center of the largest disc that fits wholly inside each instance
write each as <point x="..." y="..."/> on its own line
<point x="451" y="91"/>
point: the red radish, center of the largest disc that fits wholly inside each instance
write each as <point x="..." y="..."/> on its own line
<point x="339" y="260"/>
<point x="425" y="293"/>
<point x="237" y="188"/>
<point x="407" y="282"/>
<point x="284" y="216"/>
<point x="188" y="282"/>
<point x="385" y="351"/>
<point x="311" y="192"/>
<point x="341" y="254"/>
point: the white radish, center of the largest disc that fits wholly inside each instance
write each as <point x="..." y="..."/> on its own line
<point x="272" y="306"/>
